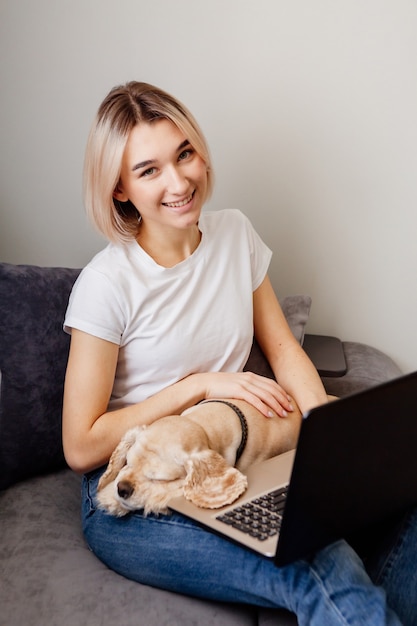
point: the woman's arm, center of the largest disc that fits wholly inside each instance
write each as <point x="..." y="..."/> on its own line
<point x="291" y="366"/>
<point x="90" y="431"/>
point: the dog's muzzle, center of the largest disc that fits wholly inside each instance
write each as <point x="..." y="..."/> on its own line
<point x="124" y="489"/>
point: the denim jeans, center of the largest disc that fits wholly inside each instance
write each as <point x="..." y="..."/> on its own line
<point x="174" y="553"/>
<point x="393" y="565"/>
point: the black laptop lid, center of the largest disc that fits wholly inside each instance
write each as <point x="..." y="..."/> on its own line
<point x="355" y="465"/>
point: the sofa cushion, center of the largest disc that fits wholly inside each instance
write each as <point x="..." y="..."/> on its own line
<point x="33" y="355"/>
<point x="296" y="310"/>
<point x="366" y="367"/>
<point x="49" y="577"/>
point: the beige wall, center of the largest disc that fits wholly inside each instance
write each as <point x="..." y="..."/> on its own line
<point x="309" y="106"/>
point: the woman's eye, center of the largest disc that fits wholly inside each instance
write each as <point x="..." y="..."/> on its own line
<point x="149" y="171"/>
<point x="185" y="154"/>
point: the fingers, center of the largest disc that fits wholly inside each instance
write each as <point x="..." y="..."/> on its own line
<point x="275" y="396"/>
<point x="264" y="394"/>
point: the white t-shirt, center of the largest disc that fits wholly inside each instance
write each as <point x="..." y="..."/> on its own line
<point x="171" y="322"/>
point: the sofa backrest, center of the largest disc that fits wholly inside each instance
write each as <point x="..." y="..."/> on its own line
<point x="33" y="356"/>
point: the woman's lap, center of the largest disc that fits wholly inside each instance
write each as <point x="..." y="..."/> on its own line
<point x="173" y="553"/>
<point x="166" y="551"/>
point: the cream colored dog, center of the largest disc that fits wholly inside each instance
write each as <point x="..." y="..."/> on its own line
<point x="193" y="454"/>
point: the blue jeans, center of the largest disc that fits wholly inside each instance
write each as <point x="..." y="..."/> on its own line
<point x="173" y="553"/>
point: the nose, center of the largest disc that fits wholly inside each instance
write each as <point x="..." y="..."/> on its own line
<point x="124" y="489"/>
<point x="176" y="181"/>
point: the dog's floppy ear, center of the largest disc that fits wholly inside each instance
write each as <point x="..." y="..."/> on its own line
<point x="118" y="457"/>
<point x="211" y="483"/>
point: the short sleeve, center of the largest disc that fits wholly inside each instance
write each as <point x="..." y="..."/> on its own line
<point x="260" y="254"/>
<point x="94" y="307"/>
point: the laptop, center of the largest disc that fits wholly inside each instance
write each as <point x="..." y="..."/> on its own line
<point x="354" y="467"/>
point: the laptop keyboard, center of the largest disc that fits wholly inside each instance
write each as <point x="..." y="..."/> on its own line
<point x="261" y="517"/>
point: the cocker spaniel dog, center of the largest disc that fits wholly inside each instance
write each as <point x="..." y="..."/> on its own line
<point x="200" y="454"/>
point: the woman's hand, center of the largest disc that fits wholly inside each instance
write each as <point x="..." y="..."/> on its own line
<point x="264" y="394"/>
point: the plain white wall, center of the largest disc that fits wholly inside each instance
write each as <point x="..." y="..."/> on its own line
<point x="310" y="110"/>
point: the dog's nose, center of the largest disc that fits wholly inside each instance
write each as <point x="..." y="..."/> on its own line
<point x="124" y="489"/>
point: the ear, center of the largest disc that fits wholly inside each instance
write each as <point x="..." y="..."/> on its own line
<point x="211" y="483"/>
<point x="119" y="194"/>
<point x="118" y="457"/>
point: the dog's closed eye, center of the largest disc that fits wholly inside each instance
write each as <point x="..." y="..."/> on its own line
<point x="162" y="473"/>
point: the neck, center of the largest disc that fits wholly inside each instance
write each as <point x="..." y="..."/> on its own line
<point x="168" y="247"/>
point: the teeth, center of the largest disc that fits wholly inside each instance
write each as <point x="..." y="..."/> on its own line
<point x="177" y="205"/>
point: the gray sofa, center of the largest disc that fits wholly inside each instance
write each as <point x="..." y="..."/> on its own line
<point x="48" y="575"/>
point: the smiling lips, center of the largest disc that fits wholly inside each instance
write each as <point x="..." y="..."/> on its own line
<point x="178" y="205"/>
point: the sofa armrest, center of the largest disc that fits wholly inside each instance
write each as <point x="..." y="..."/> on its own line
<point x="327" y="355"/>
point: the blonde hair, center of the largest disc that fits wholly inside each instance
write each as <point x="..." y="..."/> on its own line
<point x="122" y="109"/>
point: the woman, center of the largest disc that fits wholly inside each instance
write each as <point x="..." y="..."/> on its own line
<point x="163" y="318"/>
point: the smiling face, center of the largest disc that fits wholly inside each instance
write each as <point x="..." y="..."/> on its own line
<point x="163" y="176"/>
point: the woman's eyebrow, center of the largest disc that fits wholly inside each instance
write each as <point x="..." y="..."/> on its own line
<point x="139" y="166"/>
<point x="149" y="162"/>
<point x="183" y="144"/>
